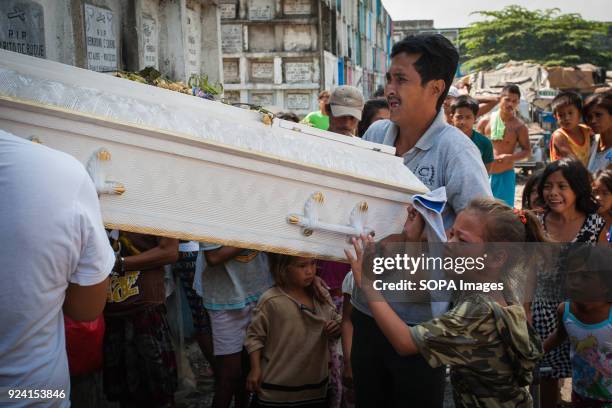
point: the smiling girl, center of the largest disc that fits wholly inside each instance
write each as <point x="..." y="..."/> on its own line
<point x="570" y="208"/>
<point x="570" y="215"/>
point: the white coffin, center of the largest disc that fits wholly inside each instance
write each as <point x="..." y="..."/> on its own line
<point x="201" y="170"/>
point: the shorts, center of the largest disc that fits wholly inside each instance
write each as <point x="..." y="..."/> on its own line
<point x="139" y="361"/>
<point x="229" y="329"/>
<point x="185" y="268"/>
<point x="503" y="186"/>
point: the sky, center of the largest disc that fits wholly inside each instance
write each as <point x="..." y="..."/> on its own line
<point x="456" y="13"/>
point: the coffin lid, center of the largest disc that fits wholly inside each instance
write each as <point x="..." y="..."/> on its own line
<point x="64" y="88"/>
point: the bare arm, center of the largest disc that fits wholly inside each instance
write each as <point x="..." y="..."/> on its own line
<point x="603" y="233"/>
<point x="85" y="303"/>
<point x="486" y="104"/>
<point x="347" y="341"/>
<point x="347" y="327"/>
<point x="528" y="314"/>
<point x="559" y="335"/>
<point x="482" y="126"/>
<point x="221" y="255"/>
<point x="523" y="140"/>
<point x="488" y="167"/>
<point x="561" y="145"/>
<point x="166" y="252"/>
<point x="253" y="382"/>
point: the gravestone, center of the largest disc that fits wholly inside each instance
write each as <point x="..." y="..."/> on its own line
<point x="297" y="7"/>
<point x="298" y="38"/>
<point x="22" y="27"/>
<point x="262" y="99"/>
<point x="231" y="73"/>
<point x="228" y="11"/>
<point x="298" y="72"/>
<point x="262" y="70"/>
<point x="262" y="38"/>
<point x="261" y="9"/>
<point x="193" y="41"/>
<point x="100" y="39"/>
<point x="232" y="96"/>
<point x="231" y="38"/>
<point x="150" y="38"/>
<point x="298" y="101"/>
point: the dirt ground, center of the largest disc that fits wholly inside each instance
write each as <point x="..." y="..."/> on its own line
<point x="201" y="395"/>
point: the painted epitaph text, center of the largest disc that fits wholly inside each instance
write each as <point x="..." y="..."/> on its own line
<point x="22" y="27"/>
<point x="150" y="41"/>
<point x="101" y="39"/>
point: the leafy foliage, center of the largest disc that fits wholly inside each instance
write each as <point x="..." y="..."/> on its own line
<point x="543" y="36"/>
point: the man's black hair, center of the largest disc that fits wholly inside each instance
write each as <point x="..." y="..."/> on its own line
<point x="438" y="59"/>
<point x="579" y="179"/>
<point x="511" y="89"/>
<point x="567" y="98"/>
<point x="465" y="101"/>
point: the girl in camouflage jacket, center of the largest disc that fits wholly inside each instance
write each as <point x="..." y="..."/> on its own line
<point x="485" y="339"/>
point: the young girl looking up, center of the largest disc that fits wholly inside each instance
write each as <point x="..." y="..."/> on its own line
<point x="288" y="337"/>
<point x="586" y="320"/>
<point x="602" y="190"/>
<point x="484" y="338"/>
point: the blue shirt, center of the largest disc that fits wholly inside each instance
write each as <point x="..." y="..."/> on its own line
<point x="442" y="157"/>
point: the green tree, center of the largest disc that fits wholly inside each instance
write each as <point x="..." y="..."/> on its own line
<point x="543" y="36"/>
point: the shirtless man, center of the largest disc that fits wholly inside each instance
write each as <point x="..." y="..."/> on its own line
<point x="506" y="131"/>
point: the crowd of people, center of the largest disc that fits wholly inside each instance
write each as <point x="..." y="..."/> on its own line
<point x="289" y="331"/>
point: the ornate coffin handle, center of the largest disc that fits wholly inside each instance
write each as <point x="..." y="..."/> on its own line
<point x="309" y="221"/>
<point x="97" y="174"/>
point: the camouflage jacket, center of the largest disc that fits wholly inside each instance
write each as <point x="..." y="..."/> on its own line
<point x="492" y="352"/>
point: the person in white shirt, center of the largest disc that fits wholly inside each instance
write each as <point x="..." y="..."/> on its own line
<point x="55" y="259"/>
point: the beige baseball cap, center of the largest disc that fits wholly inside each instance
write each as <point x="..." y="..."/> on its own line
<point x="346" y="100"/>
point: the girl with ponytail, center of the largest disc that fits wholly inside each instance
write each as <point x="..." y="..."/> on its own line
<point x="485" y="338"/>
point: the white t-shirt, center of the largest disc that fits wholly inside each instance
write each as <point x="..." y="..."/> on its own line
<point x="348" y="284"/>
<point x="599" y="160"/>
<point x="51" y="233"/>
